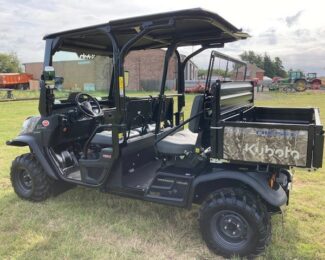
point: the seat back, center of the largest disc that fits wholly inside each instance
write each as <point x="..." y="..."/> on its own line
<point x="145" y="111"/>
<point x="138" y="112"/>
<point x="197" y="107"/>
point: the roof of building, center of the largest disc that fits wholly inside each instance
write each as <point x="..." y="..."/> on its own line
<point x="254" y="66"/>
<point x="185" y="28"/>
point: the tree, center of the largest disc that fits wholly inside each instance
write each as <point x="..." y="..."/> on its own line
<point x="252" y="58"/>
<point x="9" y="63"/>
<point x="271" y="67"/>
<point x="279" y="69"/>
<point x="202" y="74"/>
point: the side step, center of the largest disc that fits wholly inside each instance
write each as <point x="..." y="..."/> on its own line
<point x="170" y="188"/>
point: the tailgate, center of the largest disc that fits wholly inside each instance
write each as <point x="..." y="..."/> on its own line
<point x="282" y="143"/>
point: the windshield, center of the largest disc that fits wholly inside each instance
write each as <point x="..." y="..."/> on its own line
<point x="81" y="73"/>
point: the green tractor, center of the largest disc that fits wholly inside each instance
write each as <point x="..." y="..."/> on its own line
<point x="296" y="81"/>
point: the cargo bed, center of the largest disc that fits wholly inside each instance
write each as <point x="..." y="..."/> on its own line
<point x="266" y="135"/>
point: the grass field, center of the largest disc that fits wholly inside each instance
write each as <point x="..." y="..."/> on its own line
<point x="86" y="224"/>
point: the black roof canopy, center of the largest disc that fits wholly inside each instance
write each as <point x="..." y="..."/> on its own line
<point x="184" y="28"/>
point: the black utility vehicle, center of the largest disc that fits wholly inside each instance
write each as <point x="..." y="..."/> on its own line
<point x="234" y="159"/>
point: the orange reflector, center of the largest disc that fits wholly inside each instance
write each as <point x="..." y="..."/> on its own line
<point x="272" y="180"/>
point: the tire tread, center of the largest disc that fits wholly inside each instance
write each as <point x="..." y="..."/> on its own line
<point x="43" y="184"/>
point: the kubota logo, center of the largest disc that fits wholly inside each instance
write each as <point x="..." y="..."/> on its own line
<point x="45" y="123"/>
<point x="282" y="153"/>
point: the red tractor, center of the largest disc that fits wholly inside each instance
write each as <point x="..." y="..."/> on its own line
<point x="313" y="81"/>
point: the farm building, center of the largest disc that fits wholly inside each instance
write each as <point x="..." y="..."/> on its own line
<point x="144" y="70"/>
<point x="253" y="72"/>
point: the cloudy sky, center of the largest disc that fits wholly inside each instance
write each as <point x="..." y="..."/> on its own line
<point x="294" y="30"/>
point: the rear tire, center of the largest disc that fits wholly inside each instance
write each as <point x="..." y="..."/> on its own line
<point x="316" y="84"/>
<point x="29" y="180"/>
<point x="300" y="85"/>
<point x="234" y="222"/>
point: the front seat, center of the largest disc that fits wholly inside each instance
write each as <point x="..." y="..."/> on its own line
<point x="183" y="141"/>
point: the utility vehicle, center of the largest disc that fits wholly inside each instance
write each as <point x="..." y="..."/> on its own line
<point x="234" y="159"/>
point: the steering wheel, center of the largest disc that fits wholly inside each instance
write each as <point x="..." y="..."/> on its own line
<point x="88" y="105"/>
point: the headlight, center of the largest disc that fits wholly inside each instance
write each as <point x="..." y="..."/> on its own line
<point x="29" y="124"/>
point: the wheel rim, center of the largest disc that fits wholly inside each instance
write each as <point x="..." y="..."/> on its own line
<point x="24" y="180"/>
<point x="230" y="228"/>
<point x="300" y="86"/>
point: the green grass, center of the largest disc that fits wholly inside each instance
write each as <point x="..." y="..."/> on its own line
<point x="86" y="224"/>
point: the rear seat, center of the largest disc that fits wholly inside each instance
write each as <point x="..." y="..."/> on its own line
<point x="184" y="141"/>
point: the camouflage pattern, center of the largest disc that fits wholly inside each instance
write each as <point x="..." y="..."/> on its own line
<point x="274" y="146"/>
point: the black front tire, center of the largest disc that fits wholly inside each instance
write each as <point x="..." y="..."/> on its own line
<point x="29" y="180"/>
<point x="234" y="222"/>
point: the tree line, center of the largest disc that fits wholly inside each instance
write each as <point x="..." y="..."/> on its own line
<point x="271" y="67"/>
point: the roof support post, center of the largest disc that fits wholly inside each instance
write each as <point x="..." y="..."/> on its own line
<point x="114" y="81"/>
<point x="181" y="80"/>
<point x="180" y="90"/>
<point x="113" y="89"/>
<point x="210" y="72"/>
<point x="226" y="71"/>
<point x="245" y="73"/>
<point x="46" y="99"/>
<point x="169" y="53"/>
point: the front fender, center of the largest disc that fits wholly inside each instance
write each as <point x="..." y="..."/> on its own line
<point x="258" y="181"/>
<point x="28" y="140"/>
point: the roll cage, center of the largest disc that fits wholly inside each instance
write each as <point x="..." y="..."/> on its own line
<point x="117" y="38"/>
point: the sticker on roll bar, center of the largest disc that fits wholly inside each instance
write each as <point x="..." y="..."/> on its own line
<point x="121" y="85"/>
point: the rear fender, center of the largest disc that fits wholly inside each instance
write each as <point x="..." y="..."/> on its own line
<point x="257" y="181"/>
<point x="27" y="140"/>
<point x="317" y="81"/>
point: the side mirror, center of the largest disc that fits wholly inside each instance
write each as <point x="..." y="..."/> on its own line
<point x="49" y="76"/>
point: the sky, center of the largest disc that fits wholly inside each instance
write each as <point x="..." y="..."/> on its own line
<point x="292" y="30"/>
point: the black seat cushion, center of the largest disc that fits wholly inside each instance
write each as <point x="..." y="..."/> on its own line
<point x="104" y="138"/>
<point x="177" y="144"/>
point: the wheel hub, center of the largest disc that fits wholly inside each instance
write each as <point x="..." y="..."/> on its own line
<point x="26" y="180"/>
<point x="231" y="227"/>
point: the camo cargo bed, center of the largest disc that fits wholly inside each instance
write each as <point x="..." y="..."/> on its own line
<point x="276" y="136"/>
